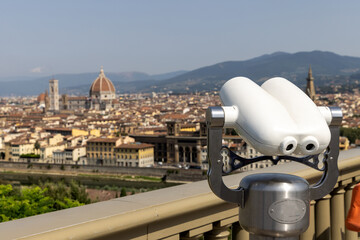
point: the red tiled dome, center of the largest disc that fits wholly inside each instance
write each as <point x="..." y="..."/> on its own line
<point x="102" y="84"/>
<point x="41" y="97"/>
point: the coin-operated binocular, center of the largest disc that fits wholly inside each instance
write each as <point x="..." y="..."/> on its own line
<point x="282" y="123"/>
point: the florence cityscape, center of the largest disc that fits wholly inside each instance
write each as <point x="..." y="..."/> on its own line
<point x="104" y="123"/>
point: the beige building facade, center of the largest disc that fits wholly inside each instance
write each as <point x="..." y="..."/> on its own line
<point x="46" y="153"/>
<point x="70" y="155"/>
<point x="100" y="151"/>
<point x="135" y="155"/>
<point x="14" y="150"/>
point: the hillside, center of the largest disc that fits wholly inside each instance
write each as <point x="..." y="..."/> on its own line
<point x="75" y="83"/>
<point x="328" y="68"/>
<point x="325" y="66"/>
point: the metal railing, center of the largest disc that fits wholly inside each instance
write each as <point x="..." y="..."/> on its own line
<point x="189" y="211"/>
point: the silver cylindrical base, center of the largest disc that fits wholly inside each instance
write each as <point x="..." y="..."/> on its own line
<point x="275" y="205"/>
<point x="258" y="237"/>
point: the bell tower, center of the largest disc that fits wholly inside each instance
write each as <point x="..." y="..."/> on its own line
<point x="310" y="88"/>
<point x="54" y="95"/>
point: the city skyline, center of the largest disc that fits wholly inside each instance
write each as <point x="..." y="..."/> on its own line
<point x="42" y="38"/>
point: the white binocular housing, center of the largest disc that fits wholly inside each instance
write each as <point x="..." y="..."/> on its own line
<point x="276" y="118"/>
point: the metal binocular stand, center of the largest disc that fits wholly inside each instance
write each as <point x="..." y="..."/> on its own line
<point x="271" y="205"/>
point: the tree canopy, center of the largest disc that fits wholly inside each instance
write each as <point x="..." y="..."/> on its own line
<point x="19" y="202"/>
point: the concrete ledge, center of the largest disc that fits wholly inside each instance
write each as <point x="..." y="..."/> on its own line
<point x="157" y="214"/>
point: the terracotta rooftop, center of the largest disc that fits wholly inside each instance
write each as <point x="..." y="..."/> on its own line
<point x="134" y="146"/>
<point x="57" y="129"/>
<point x="77" y="98"/>
<point x="103" y="140"/>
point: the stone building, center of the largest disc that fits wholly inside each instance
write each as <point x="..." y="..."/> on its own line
<point x="310" y="87"/>
<point x="46" y="152"/>
<point x="74" y="103"/>
<point x="15" y="148"/>
<point x="54" y="95"/>
<point x="102" y="93"/>
<point x="182" y="143"/>
<point x="135" y="155"/>
<point x="101" y="151"/>
<point x="70" y="155"/>
<point x="102" y="96"/>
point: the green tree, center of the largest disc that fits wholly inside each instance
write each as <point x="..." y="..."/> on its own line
<point x="64" y="193"/>
<point x="19" y="202"/>
<point x="123" y="192"/>
<point x="27" y="202"/>
<point x="351" y="133"/>
<point x="78" y="192"/>
<point x="36" y="145"/>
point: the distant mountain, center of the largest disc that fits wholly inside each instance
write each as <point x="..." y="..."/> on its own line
<point x="74" y="83"/>
<point x="16" y="78"/>
<point x="325" y="66"/>
<point x="328" y="68"/>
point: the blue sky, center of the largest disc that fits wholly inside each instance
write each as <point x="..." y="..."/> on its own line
<point x="49" y="37"/>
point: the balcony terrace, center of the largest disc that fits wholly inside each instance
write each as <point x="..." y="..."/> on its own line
<point x="189" y="211"/>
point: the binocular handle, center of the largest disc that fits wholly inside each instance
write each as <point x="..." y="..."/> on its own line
<point x="331" y="173"/>
<point x="215" y="119"/>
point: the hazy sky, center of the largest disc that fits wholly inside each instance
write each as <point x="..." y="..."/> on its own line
<point x="49" y="37"/>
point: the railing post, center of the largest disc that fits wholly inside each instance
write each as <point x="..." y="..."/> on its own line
<point x="337" y="213"/>
<point x="349" y="235"/>
<point x="196" y="237"/>
<point x="322" y="218"/>
<point x="238" y="233"/>
<point x="309" y="234"/>
<point x="219" y="232"/>
<point x="196" y="233"/>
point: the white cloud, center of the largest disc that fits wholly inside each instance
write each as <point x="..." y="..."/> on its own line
<point x="37" y="70"/>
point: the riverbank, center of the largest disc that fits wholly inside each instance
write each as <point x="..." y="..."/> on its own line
<point x="90" y="180"/>
<point x="172" y="174"/>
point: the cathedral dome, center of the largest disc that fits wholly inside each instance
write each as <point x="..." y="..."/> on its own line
<point x="41" y="98"/>
<point x="102" y="85"/>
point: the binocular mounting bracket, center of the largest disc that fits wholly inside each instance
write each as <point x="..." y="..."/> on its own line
<point x="223" y="161"/>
